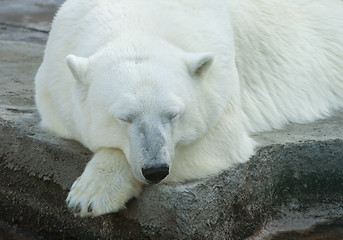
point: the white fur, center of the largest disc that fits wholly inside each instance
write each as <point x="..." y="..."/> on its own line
<point x="203" y="74"/>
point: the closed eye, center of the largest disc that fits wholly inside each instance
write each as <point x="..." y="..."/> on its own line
<point x="125" y="119"/>
<point x="173" y="116"/>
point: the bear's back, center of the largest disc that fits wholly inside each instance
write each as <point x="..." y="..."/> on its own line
<point x="289" y="59"/>
<point x="81" y="27"/>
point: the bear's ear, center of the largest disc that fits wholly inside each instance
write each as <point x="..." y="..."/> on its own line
<point x="199" y="63"/>
<point x="78" y="67"/>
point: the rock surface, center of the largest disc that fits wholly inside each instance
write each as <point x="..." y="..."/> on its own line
<point x="294" y="180"/>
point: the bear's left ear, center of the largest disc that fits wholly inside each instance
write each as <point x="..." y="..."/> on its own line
<point x="199" y="63"/>
<point x="78" y="67"/>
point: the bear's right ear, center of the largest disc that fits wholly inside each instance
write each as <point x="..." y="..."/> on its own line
<point x="199" y="63"/>
<point x="78" y="67"/>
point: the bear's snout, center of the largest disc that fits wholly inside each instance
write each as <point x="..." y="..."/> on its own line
<point x="155" y="174"/>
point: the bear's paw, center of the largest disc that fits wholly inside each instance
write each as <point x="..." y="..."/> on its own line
<point x="104" y="187"/>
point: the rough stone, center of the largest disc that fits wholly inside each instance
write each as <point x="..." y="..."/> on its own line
<point x="33" y="14"/>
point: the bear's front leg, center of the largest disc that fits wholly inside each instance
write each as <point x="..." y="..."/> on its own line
<point x="105" y="186"/>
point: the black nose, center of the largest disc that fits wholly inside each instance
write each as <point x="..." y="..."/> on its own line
<point x="155" y="174"/>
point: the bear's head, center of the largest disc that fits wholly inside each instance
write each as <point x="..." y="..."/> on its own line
<point x="145" y="102"/>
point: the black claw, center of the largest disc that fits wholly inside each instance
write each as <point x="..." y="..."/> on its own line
<point x="71" y="207"/>
<point x="77" y="208"/>
<point x="90" y="207"/>
<point x="129" y="202"/>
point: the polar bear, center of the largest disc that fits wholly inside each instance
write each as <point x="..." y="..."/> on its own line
<point x="170" y="90"/>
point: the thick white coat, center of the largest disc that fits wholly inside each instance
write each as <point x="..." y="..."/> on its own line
<point x="274" y="62"/>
